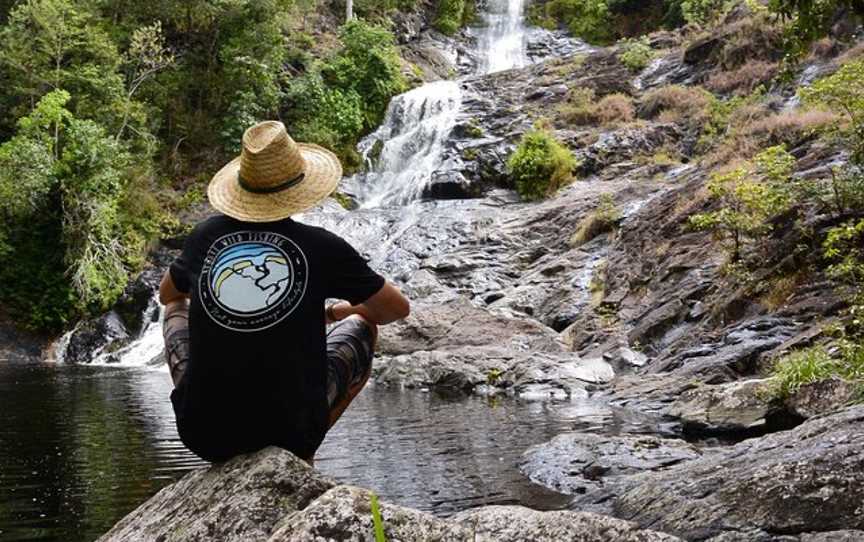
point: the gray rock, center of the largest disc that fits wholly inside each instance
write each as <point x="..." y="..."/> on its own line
<point x="273" y="496"/>
<point x="821" y="397"/>
<point x="809" y="479"/>
<point x="574" y="463"/>
<point x="736" y="406"/>
<point x="243" y="499"/>
<point x="345" y="514"/>
<point x="512" y="523"/>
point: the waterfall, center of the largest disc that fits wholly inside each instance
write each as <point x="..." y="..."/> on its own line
<point x="409" y="146"/>
<point x="502" y="40"/>
<point x="404" y="153"/>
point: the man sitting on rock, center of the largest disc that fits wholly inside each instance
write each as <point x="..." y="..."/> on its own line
<point x="245" y="337"/>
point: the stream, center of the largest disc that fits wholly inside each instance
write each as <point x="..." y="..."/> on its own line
<point x="82" y="445"/>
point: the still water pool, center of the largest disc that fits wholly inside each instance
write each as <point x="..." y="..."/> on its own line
<point x="80" y="446"/>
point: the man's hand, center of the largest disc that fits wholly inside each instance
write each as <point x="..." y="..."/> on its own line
<point x="386" y="306"/>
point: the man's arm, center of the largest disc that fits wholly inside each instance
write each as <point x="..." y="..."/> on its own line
<point x="384" y="307"/>
<point x="168" y="292"/>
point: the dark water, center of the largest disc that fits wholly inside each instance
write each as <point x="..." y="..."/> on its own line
<point x="80" y="446"/>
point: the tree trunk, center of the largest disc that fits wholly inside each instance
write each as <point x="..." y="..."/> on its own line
<point x="349" y="10"/>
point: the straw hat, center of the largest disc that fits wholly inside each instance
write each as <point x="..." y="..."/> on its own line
<point x="274" y="177"/>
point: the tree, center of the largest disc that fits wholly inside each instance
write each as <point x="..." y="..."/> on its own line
<point x="748" y="195"/>
<point x="811" y="19"/>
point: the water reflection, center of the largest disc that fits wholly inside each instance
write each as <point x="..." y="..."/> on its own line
<point x="80" y="446"/>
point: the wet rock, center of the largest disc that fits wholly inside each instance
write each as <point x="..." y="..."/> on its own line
<point x="449" y="185"/>
<point x="273" y="496"/>
<point x="821" y="397"/>
<point x="512" y="523"/>
<point x="734" y="407"/>
<point x="459" y="324"/>
<point x="243" y="499"/>
<point x="527" y="374"/>
<point x="92" y="337"/>
<point x="137" y="301"/>
<point x="807" y="480"/>
<point x="574" y="463"/>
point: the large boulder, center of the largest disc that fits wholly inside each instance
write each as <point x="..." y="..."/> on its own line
<point x="273" y="496"/>
<point x="809" y="479"/>
<point x="243" y="499"/>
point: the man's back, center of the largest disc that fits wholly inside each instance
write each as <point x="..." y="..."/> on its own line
<point x="257" y="371"/>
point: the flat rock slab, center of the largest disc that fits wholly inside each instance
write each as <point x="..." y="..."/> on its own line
<point x="273" y="496"/>
<point x="807" y="480"/>
<point x="574" y="463"/>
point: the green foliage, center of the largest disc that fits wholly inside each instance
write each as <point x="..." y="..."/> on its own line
<point x="586" y="19"/>
<point x="450" y="16"/>
<point x="368" y="65"/>
<point x="74" y="177"/>
<point x="749" y="196"/>
<point x="540" y="165"/>
<point x="377" y="522"/>
<point x="844" y="246"/>
<point x="636" y="53"/>
<point x="843" y="93"/>
<point x="816" y="364"/>
<point x="811" y="19"/>
<point x="701" y="12"/>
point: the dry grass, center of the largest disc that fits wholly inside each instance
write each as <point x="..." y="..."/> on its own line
<point x="744" y="79"/>
<point x="582" y="109"/>
<point x="781" y="289"/>
<point x="756" y="37"/>
<point x="827" y="47"/>
<point x="851" y="55"/>
<point x="614" y="109"/>
<point x="756" y="131"/>
<point x="674" y="103"/>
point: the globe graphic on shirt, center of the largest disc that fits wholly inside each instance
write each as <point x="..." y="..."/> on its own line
<point x="250" y="277"/>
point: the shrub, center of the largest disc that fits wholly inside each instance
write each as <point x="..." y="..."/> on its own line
<point x="701" y="12"/>
<point x="636" y="53"/>
<point x="578" y="108"/>
<point x="678" y="102"/>
<point x="586" y="19"/>
<point x="614" y="109"/>
<point x="749" y="195"/>
<point x="581" y="108"/>
<point x="450" y="14"/>
<point x="842" y="92"/>
<point x="602" y="220"/>
<point x="744" y="79"/>
<point x="540" y="165"/>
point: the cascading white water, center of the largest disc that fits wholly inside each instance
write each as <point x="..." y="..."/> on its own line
<point x="502" y="40"/>
<point x="412" y="138"/>
<point x="409" y="144"/>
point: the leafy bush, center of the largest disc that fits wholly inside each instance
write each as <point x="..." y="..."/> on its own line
<point x="586" y="19"/>
<point x="368" y="65"/>
<point x="76" y="177"/>
<point x="749" y="196"/>
<point x="450" y="14"/>
<point x="842" y="93"/>
<point x="702" y="12"/>
<point x="636" y="53"/>
<point x="540" y="165"/>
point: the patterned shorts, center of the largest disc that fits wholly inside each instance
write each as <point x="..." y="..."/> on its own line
<point x="350" y="348"/>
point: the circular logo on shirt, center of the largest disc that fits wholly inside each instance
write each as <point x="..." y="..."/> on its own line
<point x="252" y="280"/>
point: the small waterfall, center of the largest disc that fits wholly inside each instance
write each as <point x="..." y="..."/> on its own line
<point x="404" y="153"/>
<point x="502" y="40"/>
<point x="406" y="150"/>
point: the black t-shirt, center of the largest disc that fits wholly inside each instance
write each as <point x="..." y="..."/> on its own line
<point x="257" y="369"/>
